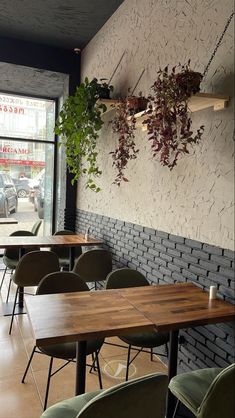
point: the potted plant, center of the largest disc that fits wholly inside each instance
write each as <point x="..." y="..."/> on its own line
<point x="124" y="124"/>
<point x="168" y="120"/>
<point x="78" y="125"/>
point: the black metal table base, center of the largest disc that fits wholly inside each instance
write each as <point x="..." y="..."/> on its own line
<point x="8" y="308"/>
<point x="80" y="367"/>
<point x="172" y="371"/>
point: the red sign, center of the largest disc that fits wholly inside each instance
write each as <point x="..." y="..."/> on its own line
<point x="12" y="109"/>
<point x="7" y="149"/>
<point x="22" y="162"/>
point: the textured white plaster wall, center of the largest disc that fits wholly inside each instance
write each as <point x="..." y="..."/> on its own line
<point x="196" y="199"/>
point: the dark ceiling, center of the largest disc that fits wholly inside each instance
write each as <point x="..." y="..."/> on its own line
<point x="31" y="67"/>
<point x="60" y="23"/>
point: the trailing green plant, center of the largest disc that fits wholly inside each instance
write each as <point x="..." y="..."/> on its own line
<point x="78" y="125"/>
<point x="168" y="123"/>
<point x="124" y="124"/>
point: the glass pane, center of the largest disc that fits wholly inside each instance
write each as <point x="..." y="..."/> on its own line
<point x="61" y="179"/>
<point x="29" y="172"/>
<point x="25" y="117"/>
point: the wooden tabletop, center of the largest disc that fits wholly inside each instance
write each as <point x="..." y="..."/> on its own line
<point x="8" y="221"/>
<point x="177" y="306"/>
<point x="83" y="315"/>
<point x="86" y="315"/>
<point x="37" y="241"/>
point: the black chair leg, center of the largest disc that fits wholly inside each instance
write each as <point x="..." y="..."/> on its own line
<point x="167" y="350"/>
<point x="128" y="362"/>
<point x="13" y="312"/>
<point x="48" y="383"/>
<point x="3" y="277"/>
<point x="98" y="369"/>
<point x="29" y="362"/>
<point x="93" y="366"/>
<point x="8" y="292"/>
<point x="151" y="354"/>
<point x="176" y="408"/>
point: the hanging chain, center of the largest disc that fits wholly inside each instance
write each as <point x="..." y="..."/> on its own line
<point x="218" y="44"/>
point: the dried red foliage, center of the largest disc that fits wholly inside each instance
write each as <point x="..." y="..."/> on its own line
<point x="169" y="124"/>
<point x="124" y="125"/>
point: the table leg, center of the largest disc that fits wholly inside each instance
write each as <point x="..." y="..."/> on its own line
<point x="8" y="307"/>
<point x="172" y="371"/>
<point x="21" y="289"/>
<point x="71" y="257"/>
<point x="80" y="367"/>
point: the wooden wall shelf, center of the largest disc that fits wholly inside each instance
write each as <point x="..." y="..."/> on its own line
<point x="109" y="103"/>
<point x="199" y="101"/>
<point x="202" y="101"/>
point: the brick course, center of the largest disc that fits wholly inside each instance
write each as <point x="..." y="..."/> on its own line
<point x="167" y="258"/>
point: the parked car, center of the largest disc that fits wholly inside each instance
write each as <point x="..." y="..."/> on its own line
<point x="39" y="197"/>
<point x="8" y="196"/>
<point x="22" y="186"/>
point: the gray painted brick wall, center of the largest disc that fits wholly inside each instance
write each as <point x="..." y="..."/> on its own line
<point x="166" y="258"/>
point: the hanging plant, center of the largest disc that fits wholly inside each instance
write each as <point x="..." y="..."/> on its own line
<point x="124" y="124"/>
<point x="169" y="125"/>
<point x="78" y="125"/>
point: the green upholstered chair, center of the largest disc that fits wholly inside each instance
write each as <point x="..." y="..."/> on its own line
<point x="11" y="255"/>
<point x="36" y="227"/>
<point x="144" y="397"/>
<point x="122" y="278"/>
<point x="94" y="265"/>
<point x="11" y="258"/>
<point x="207" y="393"/>
<point x="64" y="282"/>
<point x="63" y="253"/>
<point x="30" y="270"/>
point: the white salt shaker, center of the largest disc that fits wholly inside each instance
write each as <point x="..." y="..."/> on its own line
<point x="87" y="234"/>
<point x="213" y="292"/>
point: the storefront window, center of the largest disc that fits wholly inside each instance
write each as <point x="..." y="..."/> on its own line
<point x="27" y="157"/>
<point x="28" y="118"/>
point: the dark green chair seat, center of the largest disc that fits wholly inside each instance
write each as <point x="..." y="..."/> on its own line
<point x="146" y="339"/>
<point x="11" y="257"/>
<point x="207" y="393"/>
<point x="68" y="350"/>
<point x="10" y="263"/>
<point x="144" y="397"/>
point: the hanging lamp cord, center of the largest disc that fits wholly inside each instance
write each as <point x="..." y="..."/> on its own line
<point x="218" y="44"/>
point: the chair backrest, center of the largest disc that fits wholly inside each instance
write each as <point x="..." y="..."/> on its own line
<point x="33" y="266"/>
<point x="62" y="252"/>
<point x="125" y="277"/>
<point x="36" y="226"/>
<point x="61" y="282"/>
<point x="13" y="253"/>
<point x="219" y="401"/>
<point x="93" y="265"/>
<point x="142" y="397"/>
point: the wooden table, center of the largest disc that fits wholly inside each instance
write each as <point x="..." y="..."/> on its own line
<point x="24" y="242"/>
<point x="173" y="307"/>
<point x="8" y="221"/>
<point x="82" y="316"/>
<point x="59" y="318"/>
